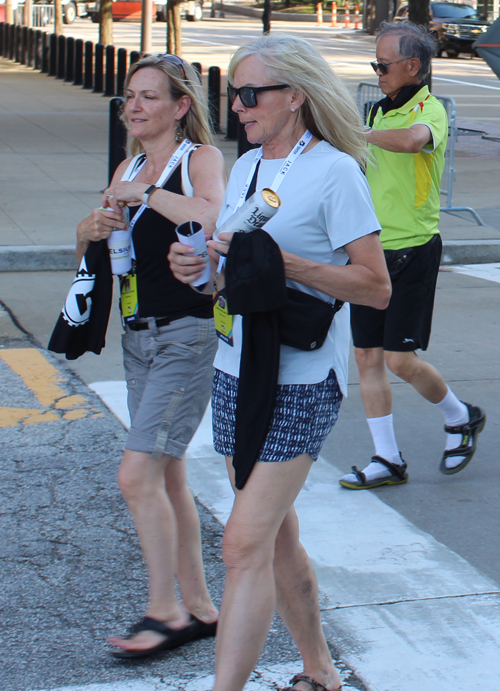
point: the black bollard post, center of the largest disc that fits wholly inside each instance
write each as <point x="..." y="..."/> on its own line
<point x="243" y="143"/>
<point x="17" y="47"/>
<point x="6" y="40"/>
<point x="88" y="79"/>
<point x="78" y="69"/>
<point x="99" y="68"/>
<point x="117" y="137"/>
<point x="214" y="98"/>
<point x="61" y="55"/>
<point x="231" y="123"/>
<point x="109" y="82"/>
<point x="121" y="71"/>
<point x="69" y="70"/>
<point x="45" y="52"/>
<point x="2" y="38"/>
<point x="198" y="69"/>
<point x="12" y="41"/>
<point x="52" y="55"/>
<point x="37" y="50"/>
<point x="24" y="45"/>
<point x="134" y="57"/>
<point x="30" y="41"/>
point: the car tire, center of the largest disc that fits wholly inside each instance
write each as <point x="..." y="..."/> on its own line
<point x="161" y="15"/>
<point x="452" y="53"/>
<point x="70" y="13"/>
<point x="94" y="17"/>
<point x="198" y="14"/>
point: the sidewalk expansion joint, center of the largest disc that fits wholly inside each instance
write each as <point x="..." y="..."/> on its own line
<point x="409" y="600"/>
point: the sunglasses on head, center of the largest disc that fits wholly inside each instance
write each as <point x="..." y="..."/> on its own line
<point x="382" y="66"/>
<point x="175" y="60"/>
<point x="248" y="94"/>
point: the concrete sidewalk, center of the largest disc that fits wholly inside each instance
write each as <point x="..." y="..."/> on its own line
<point x="53" y="165"/>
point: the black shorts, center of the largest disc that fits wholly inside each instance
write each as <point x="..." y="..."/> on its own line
<point x="405" y="325"/>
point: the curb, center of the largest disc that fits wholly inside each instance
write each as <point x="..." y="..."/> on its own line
<point x="38" y="258"/>
<point x="62" y="257"/>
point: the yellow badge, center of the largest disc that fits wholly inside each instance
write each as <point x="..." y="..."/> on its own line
<point x="129" y="303"/>
<point x="223" y="320"/>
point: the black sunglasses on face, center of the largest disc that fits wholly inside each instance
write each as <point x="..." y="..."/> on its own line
<point x="248" y="94"/>
<point x="382" y="66"/>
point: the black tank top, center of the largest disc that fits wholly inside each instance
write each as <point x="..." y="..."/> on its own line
<point x="160" y="294"/>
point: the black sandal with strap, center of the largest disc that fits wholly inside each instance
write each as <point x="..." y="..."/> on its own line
<point x="397" y="475"/>
<point x="470" y="432"/>
<point x="174" y="638"/>
<point x="315" y="686"/>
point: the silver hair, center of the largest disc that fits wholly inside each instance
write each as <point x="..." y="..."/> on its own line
<point x="415" y="42"/>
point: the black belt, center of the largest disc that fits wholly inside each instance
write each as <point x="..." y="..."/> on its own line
<point x="164" y="321"/>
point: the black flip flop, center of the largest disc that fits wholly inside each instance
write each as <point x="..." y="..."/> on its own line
<point x="174" y="638"/>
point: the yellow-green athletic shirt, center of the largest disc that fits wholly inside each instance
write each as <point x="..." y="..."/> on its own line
<point x="405" y="187"/>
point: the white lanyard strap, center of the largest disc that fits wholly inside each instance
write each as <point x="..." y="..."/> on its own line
<point x="280" y="175"/>
<point x="174" y="160"/>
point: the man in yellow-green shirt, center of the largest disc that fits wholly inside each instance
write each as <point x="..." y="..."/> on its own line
<point x="407" y="136"/>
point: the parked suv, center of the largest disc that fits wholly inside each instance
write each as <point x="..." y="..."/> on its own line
<point x="456" y="26"/>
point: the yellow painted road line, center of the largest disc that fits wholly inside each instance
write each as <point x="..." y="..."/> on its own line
<point x="44" y="380"/>
<point x="36" y="372"/>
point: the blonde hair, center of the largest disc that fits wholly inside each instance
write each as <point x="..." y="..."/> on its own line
<point x="182" y="81"/>
<point x="329" y="111"/>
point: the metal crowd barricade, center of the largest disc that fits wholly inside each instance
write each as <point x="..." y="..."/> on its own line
<point x="368" y="94"/>
<point x="42" y="15"/>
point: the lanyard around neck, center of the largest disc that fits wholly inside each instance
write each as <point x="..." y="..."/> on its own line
<point x="280" y="175"/>
<point x="174" y="160"/>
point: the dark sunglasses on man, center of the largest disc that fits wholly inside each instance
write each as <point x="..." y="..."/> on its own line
<point x="248" y="94"/>
<point x="382" y="66"/>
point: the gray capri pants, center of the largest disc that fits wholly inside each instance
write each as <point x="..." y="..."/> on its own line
<point x="168" y="372"/>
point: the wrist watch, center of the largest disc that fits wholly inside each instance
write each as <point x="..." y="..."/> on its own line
<point x="148" y="192"/>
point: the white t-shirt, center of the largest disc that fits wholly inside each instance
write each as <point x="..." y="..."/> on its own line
<point x="325" y="204"/>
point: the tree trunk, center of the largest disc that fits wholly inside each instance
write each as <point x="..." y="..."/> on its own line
<point x="418" y="11"/>
<point x="58" y="22"/>
<point x="174" y="28"/>
<point x="266" y="17"/>
<point x="486" y="8"/>
<point x="106" y="23"/>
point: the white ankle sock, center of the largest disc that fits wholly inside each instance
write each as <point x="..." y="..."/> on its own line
<point x="384" y="439"/>
<point x="455" y="413"/>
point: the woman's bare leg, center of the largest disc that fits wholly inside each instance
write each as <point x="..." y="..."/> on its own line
<point x="248" y="551"/>
<point x="190" y="571"/>
<point x="298" y="604"/>
<point x="142" y="481"/>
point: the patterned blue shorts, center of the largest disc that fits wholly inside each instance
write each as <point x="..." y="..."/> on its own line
<point x="303" y="416"/>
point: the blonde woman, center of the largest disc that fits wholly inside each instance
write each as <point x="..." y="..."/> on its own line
<point x="290" y="102"/>
<point x="169" y="342"/>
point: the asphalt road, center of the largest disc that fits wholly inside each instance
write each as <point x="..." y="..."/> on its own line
<point x="59" y="605"/>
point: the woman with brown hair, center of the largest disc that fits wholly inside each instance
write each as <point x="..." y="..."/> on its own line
<point x="169" y="340"/>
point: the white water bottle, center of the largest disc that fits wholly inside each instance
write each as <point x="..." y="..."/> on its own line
<point x="120" y="251"/>
<point x="191" y="233"/>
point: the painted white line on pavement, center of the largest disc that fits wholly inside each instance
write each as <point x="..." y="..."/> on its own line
<point x="403" y="610"/>
<point x="489" y="272"/>
<point x="455" y="81"/>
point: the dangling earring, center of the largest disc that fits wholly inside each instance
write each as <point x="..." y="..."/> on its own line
<point x="178" y="133"/>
